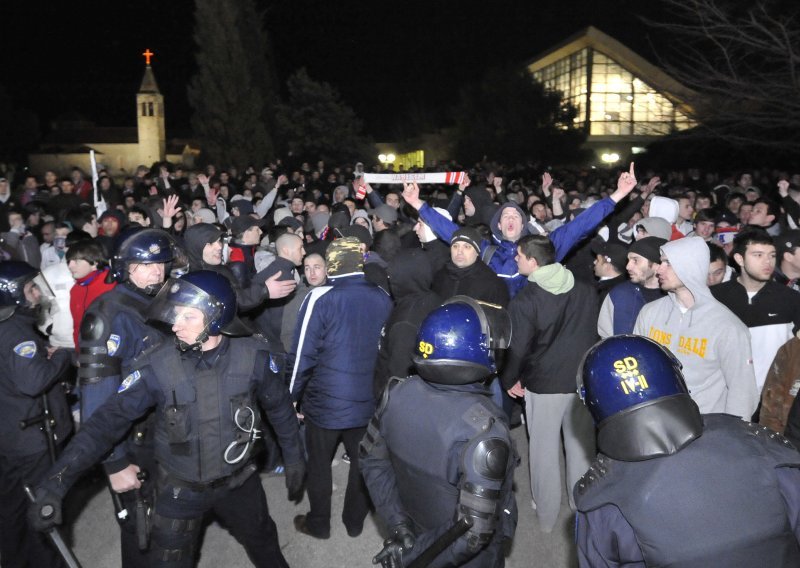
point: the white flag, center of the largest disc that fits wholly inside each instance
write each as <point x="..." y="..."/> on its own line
<point x="100" y="205"/>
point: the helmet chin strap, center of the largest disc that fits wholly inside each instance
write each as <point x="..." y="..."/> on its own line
<point x="196" y="345"/>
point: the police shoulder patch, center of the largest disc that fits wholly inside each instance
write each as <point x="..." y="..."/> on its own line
<point x="26" y="349"/>
<point x="129" y="381"/>
<point x="112" y="343"/>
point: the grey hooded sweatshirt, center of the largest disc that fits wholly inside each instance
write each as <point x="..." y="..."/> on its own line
<point x="712" y="344"/>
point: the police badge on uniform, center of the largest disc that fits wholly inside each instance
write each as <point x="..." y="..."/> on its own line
<point x="273" y="366"/>
<point x="113" y="344"/>
<point x="129" y="381"/>
<point x="26" y="349"/>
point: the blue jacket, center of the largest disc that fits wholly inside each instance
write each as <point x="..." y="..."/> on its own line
<point x="335" y="351"/>
<point x="502" y="260"/>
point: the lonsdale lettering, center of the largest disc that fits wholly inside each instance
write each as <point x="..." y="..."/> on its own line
<point x="660" y="336"/>
<point x="696" y="345"/>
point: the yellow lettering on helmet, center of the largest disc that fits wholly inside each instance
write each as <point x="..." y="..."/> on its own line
<point x="425" y="348"/>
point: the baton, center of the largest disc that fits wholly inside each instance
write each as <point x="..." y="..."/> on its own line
<point x="55" y="536"/>
<point x="440" y="544"/>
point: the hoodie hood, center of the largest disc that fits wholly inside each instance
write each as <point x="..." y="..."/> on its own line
<point x="553" y="278"/>
<point x="494" y="224"/>
<point x="665" y="208"/>
<point x="196" y="238"/>
<point x="410" y="273"/>
<point x="689" y="258"/>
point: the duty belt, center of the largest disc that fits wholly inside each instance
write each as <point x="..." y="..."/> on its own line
<point x="233" y="480"/>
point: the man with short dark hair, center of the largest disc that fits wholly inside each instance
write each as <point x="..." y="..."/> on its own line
<point x="553" y="319"/>
<point x="770" y="311"/>
<point x="718" y="268"/>
<point x="765" y="215"/>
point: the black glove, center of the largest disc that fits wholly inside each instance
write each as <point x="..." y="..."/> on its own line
<point x="295" y="475"/>
<point x="45" y="513"/>
<point x="401" y="539"/>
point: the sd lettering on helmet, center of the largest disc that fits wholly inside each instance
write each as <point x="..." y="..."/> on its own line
<point x="631" y="377"/>
<point x="425" y="349"/>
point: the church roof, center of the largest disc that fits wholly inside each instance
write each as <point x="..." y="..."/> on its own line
<point x="149" y="84"/>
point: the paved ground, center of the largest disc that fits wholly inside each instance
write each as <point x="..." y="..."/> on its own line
<point x="95" y="535"/>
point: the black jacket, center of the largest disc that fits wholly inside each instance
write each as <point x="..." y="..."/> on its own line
<point x="551" y="334"/>
<point x="477" y="281"/>
<point x="410" y="279"/>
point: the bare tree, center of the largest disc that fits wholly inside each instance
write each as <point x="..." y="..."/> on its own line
<point x="742" y="62"/>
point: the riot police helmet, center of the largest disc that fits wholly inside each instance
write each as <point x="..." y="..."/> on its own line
<point x="14" y="277"/>
<point x="140" y="245"/>
<point x="206" y="290"/>
<point x="635" y="391"/>
<point x="457" y="341"/>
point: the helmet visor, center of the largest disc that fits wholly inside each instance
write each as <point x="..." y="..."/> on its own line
<point x="177" y="294"/>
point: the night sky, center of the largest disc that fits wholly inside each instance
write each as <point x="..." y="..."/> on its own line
<point x="382" y="56"/>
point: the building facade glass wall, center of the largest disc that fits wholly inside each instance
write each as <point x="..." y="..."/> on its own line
<point x="610" y="100"/>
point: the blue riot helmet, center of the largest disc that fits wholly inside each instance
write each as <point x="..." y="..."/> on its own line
<point x="635" y="391"/>
<point x="207" y="291"/>
<point x="456" y="342"/>
<point x="139" y="245"/>
<point x="14" y="275"/>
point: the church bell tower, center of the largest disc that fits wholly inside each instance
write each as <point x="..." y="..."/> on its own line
<point x="150" y="118"/>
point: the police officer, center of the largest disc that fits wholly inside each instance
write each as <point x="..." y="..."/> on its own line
<point x="29" y="372"/>
<point x="455" y="461"/>
<point x="672" y="487"/>
<point x="113" y="331"/>
<point x="205" y="391"/>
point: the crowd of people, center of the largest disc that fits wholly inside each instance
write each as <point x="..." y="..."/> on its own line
<point x="333" y="277"/>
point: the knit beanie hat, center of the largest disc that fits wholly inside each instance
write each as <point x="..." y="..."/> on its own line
<point x="344" y="256"/>
<point x="469" y="235"/>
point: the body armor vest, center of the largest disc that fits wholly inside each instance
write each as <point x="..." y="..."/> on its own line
<point x="208" y="425"/>
<point x="433" y="468"/>
<point x="716" y="502"/>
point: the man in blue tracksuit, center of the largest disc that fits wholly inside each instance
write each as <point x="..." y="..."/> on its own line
<point x="509" y="224"/>
<point x="334" y="353"/>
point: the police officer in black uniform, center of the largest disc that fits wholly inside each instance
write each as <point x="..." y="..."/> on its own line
<point x="113" y="331"/>
<point x="672" y="487"/>
<point x="455" y="461"/>
<point x="206" y="392"/>
<point x="29" y="373"/>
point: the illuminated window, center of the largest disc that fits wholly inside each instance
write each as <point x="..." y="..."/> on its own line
<point x="617" y="103"/>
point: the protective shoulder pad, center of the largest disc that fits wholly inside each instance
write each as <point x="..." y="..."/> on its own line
<point x="490" y="458"/>
<point x="94" y="327"/>
<point x="597" y="471"/>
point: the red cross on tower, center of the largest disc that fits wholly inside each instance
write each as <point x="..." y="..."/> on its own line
<point x="147" y="55"/>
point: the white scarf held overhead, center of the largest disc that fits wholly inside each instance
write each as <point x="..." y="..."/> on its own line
<point x="436" y="177"/>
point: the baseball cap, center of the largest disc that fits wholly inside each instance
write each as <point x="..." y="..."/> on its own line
<point x="615" y="253"/>
<point x="785" y="242"/>
<point x="240" y="224"/>
<point x="468" y="235"/>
